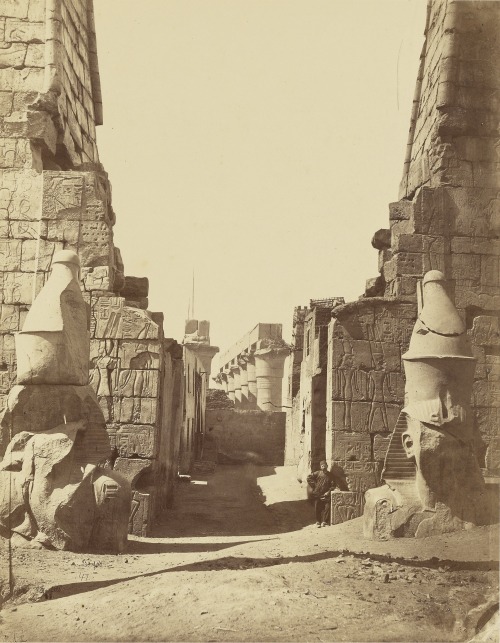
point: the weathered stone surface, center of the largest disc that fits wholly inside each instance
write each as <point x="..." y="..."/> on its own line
<point x="39" y="408"/>
<point x="53" y="345"/>
<point x="351" y="446"/>
<point x="47" y="498"/>
<point x="446" y="491"/>
<point x="131" y="440"/>
<point x="346" y="505"/>
<point x="135" y="288"/>
<point x="46" y="207"/>
<point x="363" y="417"/>
<point x="381" y="240"/>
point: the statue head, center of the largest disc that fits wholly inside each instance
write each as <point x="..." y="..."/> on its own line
<point x="434" y="432"/>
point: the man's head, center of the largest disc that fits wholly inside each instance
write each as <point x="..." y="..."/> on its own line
<point x="323" y="465"/>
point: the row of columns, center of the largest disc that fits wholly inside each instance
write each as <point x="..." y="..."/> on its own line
<point x="255" y="380"/>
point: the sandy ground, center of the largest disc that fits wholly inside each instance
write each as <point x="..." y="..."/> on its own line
<point x="237" y="559"/>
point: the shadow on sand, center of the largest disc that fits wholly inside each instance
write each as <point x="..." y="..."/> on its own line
<point x="231" y="504"/>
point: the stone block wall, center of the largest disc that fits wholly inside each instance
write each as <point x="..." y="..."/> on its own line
<point x="248" y="436"/>
<point x="53" y="195"/>
<point x="49" y="79"/>
<point x="447" y="219"/>
<point x="365" y="390"/>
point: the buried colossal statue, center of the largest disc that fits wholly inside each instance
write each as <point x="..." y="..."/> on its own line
<point x="433" y="481"/>
<point x="55" y="489"/>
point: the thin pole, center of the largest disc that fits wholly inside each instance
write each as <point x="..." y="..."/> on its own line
<point x="192" y="296"/>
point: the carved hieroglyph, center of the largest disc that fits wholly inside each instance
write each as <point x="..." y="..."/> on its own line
<point x="433" y="481"/>
<point x="54" y="489"/>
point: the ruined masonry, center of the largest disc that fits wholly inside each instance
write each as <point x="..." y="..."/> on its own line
<point x="447" y="219"/>
<point x="54" y="195"/>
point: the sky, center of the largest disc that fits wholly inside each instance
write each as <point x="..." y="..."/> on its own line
<point x="256" y="143"/>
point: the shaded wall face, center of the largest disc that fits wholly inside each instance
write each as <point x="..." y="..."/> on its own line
<point x="193" y="429"/>
<point x="248" y="436"/>
<point x="313" y="382"/>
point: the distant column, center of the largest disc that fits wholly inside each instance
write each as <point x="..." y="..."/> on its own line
<point x="235" y="371"/>
<point x="221" y="380"/>
<point x="242" y="361"/>
<point x="269" y="363"/>
<point x="252" y="383"/>
<point x="230" y="384"/>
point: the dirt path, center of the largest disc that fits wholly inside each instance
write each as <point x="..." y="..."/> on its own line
<point x="227" y="567"/>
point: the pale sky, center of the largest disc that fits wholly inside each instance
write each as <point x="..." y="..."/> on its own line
<point x="258" y="142"/>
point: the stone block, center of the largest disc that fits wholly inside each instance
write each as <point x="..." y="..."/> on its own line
<point x="62" y="195"/>
<point x="381" y="240"/>
<point x="135" y="410"/>
<point x="493" y="456"/>
<point x="133" y="440"/>
<point x="15" y="153"/>
<point x="97" y="278"/>
<point x="380" y="446"/>
<point x="13" y="55"/>
<point x="408" y="263"/>
<point x="492" y="367"/>
<point x="20" y="195"/>
<point x="401" y="210"/>
<point x="361" y="476"/>
<point x="95" y="243"/>
<point x="66" y="231"/>
<point x="485" y="331"/>
<point x="24" y="31"/>
<point x="22" y="80"/>
<point x="137" y="383"/>
<point x="15" y="8"/>
<point x="137" y="324"/>
<point x="9" y="318"/>
<point x="35" y="55"/>
<point x="363" y="417"/>
<point x="486" y="421"/>
<point x="351" y="446"/>
<point x="402" y="287"/>
<point x="139" y="354"/>
<point x="469" y="296"/>
<point x="359" y="385"/>
<point x="346" y="505"/>
<point x="490" y="270"/>
<point x="10" y="255"/>
<point x="18" y="287"/>
<point x="6" y="103"/>
<point x="486" y="393"/>
<point x="37" y="254"/>
<point x="135" y="288"/>
<point x="133" y="468"/>
<point x="141" y="516"/>
<point x="466" y="266"/>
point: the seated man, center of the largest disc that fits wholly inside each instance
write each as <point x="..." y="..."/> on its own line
<point x="321" y="483"/>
